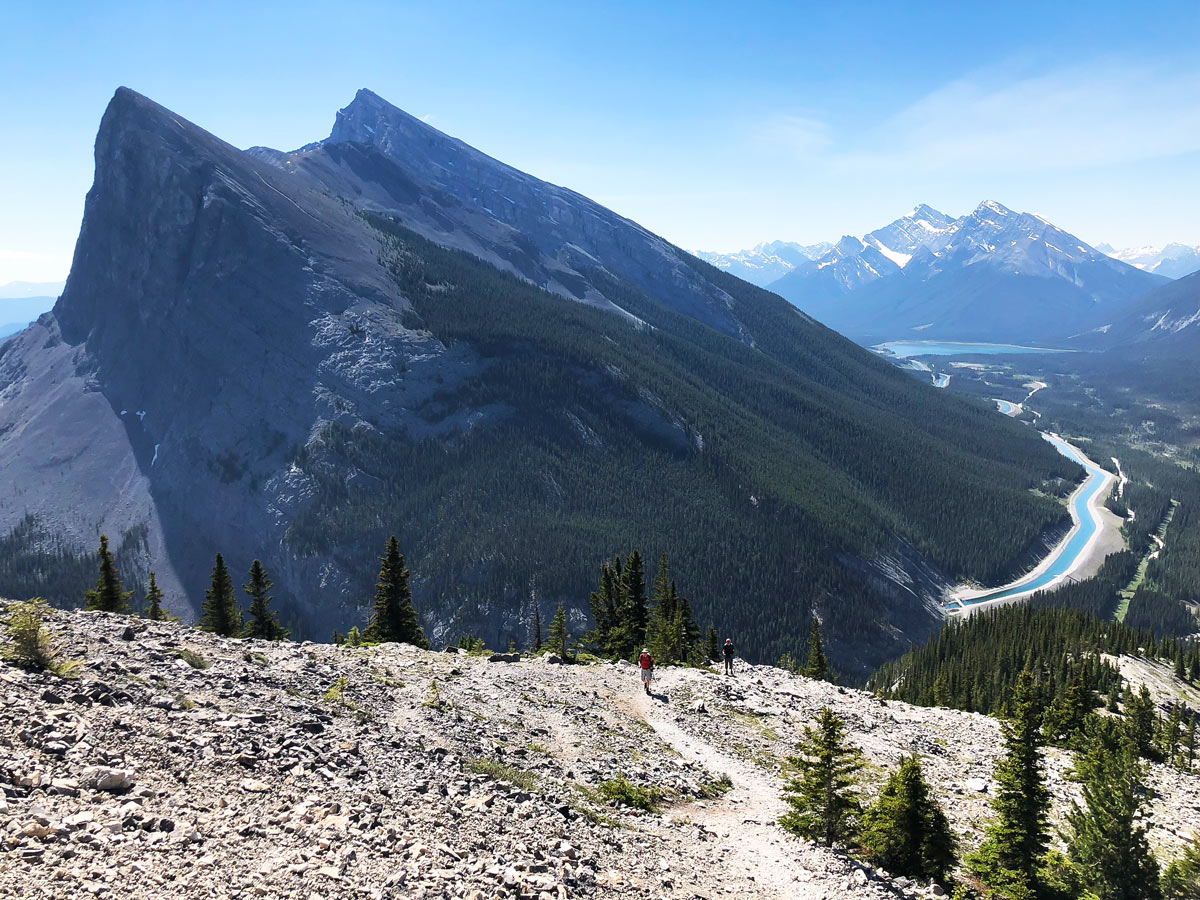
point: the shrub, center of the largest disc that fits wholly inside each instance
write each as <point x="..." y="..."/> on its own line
<point x="29" y="641"/>
<point x="193" y="659"/>
<point x="624" y="792"/>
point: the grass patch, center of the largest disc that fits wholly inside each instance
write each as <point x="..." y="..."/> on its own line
<point x="193" y="659"/>
<point x="336" y="696"/>
<point x="498" y="771"/>
<point x="623" y="792"/>
<point x="434" y="700"/>
<point x="711" y="790"/>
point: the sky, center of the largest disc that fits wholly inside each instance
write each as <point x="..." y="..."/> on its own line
<point x="717" y="125"/>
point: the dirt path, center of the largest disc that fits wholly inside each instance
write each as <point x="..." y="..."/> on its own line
<point x="752" y="854"/>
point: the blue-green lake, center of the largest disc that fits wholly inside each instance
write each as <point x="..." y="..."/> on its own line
<point x="905" y="349"/>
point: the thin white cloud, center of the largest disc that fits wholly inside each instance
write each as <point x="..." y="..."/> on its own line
<point x="1101" y="114"/>
<point x="801" y="136"/>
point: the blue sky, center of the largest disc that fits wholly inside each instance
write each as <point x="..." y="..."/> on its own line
<point x="718" y="125"/>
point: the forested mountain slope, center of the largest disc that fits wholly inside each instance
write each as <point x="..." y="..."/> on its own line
<point x="291" y="356"/>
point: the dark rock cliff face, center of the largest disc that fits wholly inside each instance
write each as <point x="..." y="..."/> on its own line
<point x="233" y="351"/>
<point x="219" y="315"/>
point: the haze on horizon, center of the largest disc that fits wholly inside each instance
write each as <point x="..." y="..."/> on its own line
<point x="717" y="126"/>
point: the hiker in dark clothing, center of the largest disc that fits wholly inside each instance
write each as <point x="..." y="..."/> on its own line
<point x="728" y="651"/>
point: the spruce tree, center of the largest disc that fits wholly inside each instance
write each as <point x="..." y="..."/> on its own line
<point x="713" y="648"/>
<point x="1065" y="719"/>
<point x="220" y="613"/>
<point x="662" y="631"/>
<point x="109" y="595"/>
<point x="263" y="622"/>
<point x="1107" y="839"/>
<point x="154" y="598"/>
<point x="631" y="614"/>
<point x="905" y="831"/>
<point x="1181" y="880"/>
<point x="824" y="804"/>
<point x="1140" y="720"/>
<point x="394" y="618"/>
<point x="558" y="633"/>
<point x="606" y="603"/>
<point x="818" y="666"/>
<point x="1015" y="843"/>
<point x="688" y="631"/>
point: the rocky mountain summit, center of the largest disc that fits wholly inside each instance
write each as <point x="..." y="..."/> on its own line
<point x="292" y="356"/>
<point x="179" y="764"/>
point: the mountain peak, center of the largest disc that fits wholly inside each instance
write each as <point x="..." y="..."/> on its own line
<point x="993" y="207"/>
<point x="925" y="212"/>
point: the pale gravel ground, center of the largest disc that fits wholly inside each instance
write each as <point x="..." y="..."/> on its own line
<point x="273" y="791"/>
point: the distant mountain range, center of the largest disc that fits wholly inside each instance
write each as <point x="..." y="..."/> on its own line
<point x="293" y="355"/>
<point x="991" y="275"/>
<point x="1173" y="260"/>
<point x="22" y="301"/>
<point x="766" y="263"/>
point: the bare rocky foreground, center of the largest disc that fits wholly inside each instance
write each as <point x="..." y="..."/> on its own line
<point x="179" y="764"/>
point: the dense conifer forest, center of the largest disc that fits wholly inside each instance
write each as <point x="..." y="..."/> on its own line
<point x="744" y="463"/>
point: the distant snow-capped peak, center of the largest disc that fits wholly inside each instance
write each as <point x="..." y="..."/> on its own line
<point x="767" y="262"/>
<point x="1174" y="260"/>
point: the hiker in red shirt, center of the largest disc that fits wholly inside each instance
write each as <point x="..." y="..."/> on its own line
<point x="646" y="662"/>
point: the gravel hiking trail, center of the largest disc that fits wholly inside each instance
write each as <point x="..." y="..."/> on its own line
<point x="750" y="854"/>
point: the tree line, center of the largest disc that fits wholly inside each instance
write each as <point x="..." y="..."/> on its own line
<point x="394" y="618"/>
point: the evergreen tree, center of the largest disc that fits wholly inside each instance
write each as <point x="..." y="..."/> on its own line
<point x="154" y="598"/>
<point x="818" y="666"/>
<point x="109" y="595"/>
<point x="263" y="622"/>
<point x="631" y="614"/>
<point x="1140" y="720"/>
<point x="605" y="603"/>
<point x="1171" y="734"/>
<point x="906" y="831"/>
<point x="1065" y="718"/>
<point x="1015" y="843"/>
<point x="394" y="618"/>
<point x="558" y="633"/>
<point x="662" y="631"/>
<point x="686" y="628"/>
<point x="713" y="644"/>
<point x="221" y="613"/>
<point x="1181" y="881"/>
<point x="1107" y="840"/>
<point x="824" y="804"/>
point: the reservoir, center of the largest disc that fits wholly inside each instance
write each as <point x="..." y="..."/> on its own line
<point x="905" y="349"/>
